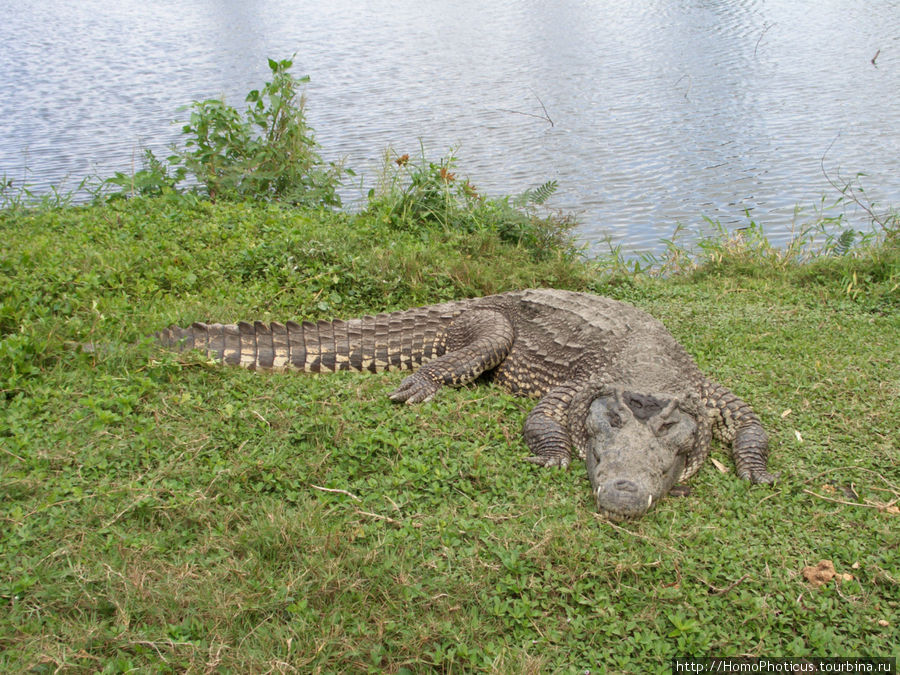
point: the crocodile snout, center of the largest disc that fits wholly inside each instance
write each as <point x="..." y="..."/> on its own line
<point x="621" y="499"/>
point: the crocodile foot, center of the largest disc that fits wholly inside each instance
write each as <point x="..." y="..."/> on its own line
<point x="551" y="461"/>
<point x="761" y="476"/>
<point x="415" y="389"/>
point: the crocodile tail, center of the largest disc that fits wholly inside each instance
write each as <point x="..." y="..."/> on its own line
<point x="395" y="341"/>
<point x="735" y="422"/>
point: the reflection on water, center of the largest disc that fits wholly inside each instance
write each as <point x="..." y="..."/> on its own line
<point x="663" y="111"/>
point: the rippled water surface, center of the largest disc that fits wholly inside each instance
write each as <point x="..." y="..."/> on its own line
<point x="663" y="111"/>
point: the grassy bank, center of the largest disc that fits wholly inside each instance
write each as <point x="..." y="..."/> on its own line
<point x="165" y="515"/>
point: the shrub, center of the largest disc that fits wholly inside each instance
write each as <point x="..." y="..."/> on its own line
<point x="268" y="153"/>
<point x="418" y="195"/>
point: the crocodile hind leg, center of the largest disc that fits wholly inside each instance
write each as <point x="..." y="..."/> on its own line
<point x="735" y="422"/>
<point x="475" y="341"/>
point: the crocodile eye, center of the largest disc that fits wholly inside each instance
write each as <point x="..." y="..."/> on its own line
<point x="666" y="427"/>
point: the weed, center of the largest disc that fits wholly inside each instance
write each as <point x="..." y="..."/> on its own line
<point x="852" y="192"/>
<point x="18" y="197"/>
<point x="268" y="153"/>
<point x="415" y="195"/>
<point x="154" y="179"/>
<point x="818" y="235"/>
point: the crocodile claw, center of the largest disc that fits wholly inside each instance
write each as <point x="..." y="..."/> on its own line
<point x="551" y="461"/>
<point x="415" y="389"/>
<point x="764" y="477"/>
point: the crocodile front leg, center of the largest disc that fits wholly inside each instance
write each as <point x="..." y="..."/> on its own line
<point x="545" y="428"/>
<point x="476" y="341"/>
<point x="735" y="422"/>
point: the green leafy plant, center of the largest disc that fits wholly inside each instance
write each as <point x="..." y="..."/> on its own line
<point x="536" y="196"/>
<point x="19" y="196"/>
<point x="266" y="153"/>
<point x="417" y="195"/>
<point x="153" y="180"/>
<point x="20" y="357"/>
<point x="843" y="242"/>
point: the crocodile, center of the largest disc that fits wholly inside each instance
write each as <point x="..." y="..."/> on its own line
<point x="614" y="386"/>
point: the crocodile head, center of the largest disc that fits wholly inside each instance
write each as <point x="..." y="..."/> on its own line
<point x="638" y="446"/>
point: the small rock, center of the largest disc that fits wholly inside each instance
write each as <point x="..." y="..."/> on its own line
<point x="820" y="574"/>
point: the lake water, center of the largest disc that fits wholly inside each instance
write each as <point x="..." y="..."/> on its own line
<point x="663" y="111"/>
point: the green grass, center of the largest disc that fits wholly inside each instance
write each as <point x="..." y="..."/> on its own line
<point x="164" y="515"/>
